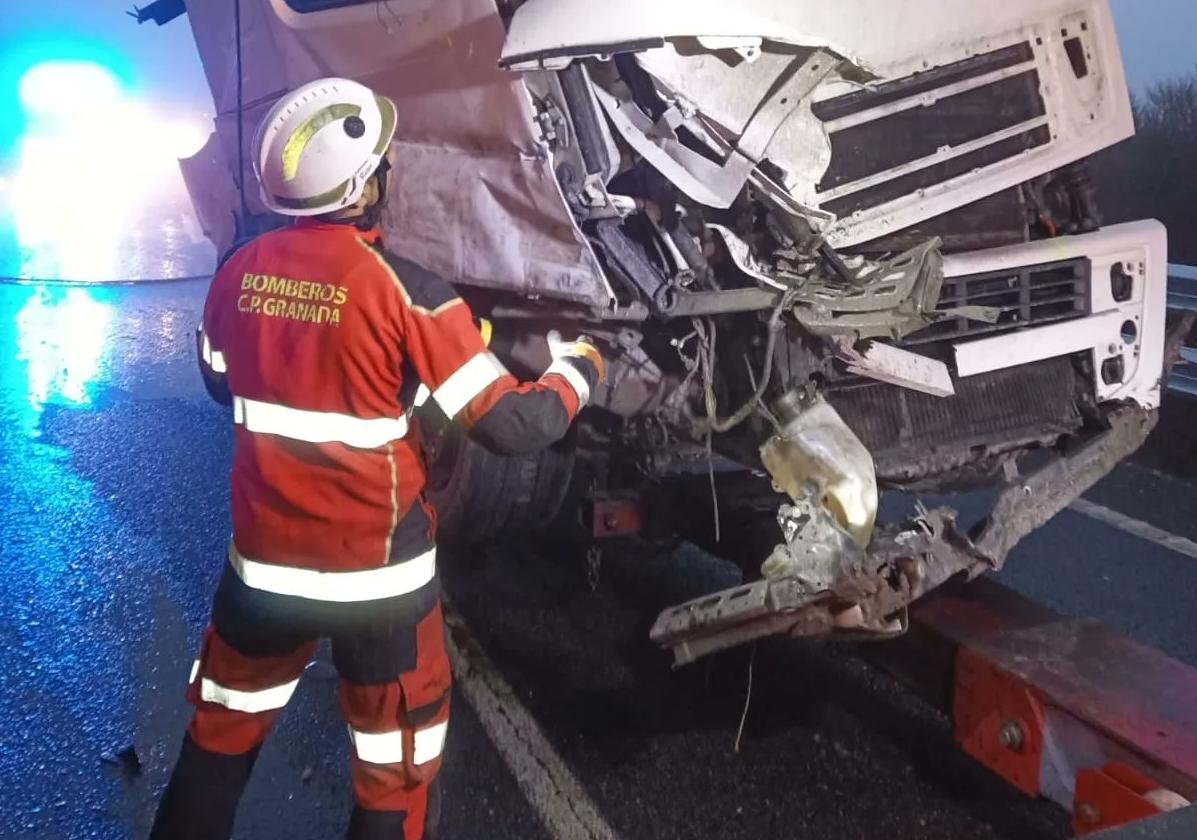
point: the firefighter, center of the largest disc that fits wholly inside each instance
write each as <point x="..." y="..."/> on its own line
<point x="319" y="338"/>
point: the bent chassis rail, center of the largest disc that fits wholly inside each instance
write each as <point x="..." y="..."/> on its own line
<point x="905" y="561"/>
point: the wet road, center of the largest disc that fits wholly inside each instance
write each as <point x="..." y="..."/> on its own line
<point x="112" y="486"/>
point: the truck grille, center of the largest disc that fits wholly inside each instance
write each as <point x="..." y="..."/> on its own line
<point x="913" y="436"/>
<point x="886" y="143"/>
<point x="1026" y="297"/>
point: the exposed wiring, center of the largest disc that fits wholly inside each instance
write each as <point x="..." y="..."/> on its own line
<point x="760" y="403"/>
<point x="714" y="492"/>
<point x="747" y="698"/>
<point x="707" y="364"/>
<point x="240" y="116"/>
<point x="692" y="365"/>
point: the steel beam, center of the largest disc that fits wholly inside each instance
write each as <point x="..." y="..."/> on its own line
<point x="1061" y="708"/>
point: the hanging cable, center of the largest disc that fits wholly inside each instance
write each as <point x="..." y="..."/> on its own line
<point x="707" y="358"/>
<point x="240" y="117"/>
<point x="747" y="700"/>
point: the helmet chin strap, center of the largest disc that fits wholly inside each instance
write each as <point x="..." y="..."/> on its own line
<point x="372" y="215"/>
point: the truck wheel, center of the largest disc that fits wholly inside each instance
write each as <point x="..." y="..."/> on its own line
<point x="480" y="496"/>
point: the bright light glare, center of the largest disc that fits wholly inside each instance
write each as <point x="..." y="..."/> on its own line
<point x="61" y="336"/>
<point x="184" y="138"/>
<point x="92" y="161"/>
<point x="67" y="88"/>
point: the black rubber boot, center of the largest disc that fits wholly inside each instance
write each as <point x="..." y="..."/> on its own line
<point x="201" y="799"/>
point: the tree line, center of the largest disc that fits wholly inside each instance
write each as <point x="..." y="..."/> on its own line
<point x="1154" y="175"/>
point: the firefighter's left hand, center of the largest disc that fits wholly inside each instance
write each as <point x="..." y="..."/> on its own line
<point x="579" y="348"/>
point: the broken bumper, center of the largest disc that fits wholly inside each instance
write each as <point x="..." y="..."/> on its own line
<point x="1126" y="305"/>
<point x="904" y="561"/>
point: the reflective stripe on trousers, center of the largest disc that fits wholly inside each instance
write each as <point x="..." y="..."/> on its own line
<point x="387" y="747"/>
<point x="253" y="702"/>
<point x="343" y="587"/>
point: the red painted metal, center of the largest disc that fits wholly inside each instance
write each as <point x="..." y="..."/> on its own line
<point x="998" y="721"/>
<point x="616" y="518"/>
<point x="1136" y="699"/>
<point x="1059" y="707"/>
<point x="1111" y="796"/>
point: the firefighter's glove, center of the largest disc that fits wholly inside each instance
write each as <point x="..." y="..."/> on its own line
<point x="579" y="348"/>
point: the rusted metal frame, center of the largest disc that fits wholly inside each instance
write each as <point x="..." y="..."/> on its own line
<point x="905" y="561"/>
<point x="1060" y="708"/>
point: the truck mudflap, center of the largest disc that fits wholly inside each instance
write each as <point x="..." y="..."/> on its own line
<point x="904" y="560"/>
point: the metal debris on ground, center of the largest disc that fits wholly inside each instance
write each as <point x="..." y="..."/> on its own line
<point x="126" y="761"/>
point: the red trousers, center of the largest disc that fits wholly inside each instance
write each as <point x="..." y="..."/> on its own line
<point x="394" y="695"/>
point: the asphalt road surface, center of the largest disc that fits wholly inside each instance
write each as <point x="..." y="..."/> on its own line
<point x="567" y="723"/>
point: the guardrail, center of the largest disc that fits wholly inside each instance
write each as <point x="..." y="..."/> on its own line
<point x="1182" y="295"/>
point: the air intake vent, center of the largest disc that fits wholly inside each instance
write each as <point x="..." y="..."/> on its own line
<point x="1026" y="297"/>
<point x="893" y="140"/>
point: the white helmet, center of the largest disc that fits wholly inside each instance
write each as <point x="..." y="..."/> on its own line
<point x="320" y="144"/>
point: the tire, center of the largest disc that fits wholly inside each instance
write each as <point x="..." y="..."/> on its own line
<point x="481" y="497"/>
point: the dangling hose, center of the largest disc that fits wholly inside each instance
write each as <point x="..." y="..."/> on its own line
<point x="707" y="359"/>
<point x="240" y="117"/>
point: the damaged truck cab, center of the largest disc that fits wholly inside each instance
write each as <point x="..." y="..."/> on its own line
<point x="860" y="257"/>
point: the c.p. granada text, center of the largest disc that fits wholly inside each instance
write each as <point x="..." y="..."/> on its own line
<point x="298" y="300"/>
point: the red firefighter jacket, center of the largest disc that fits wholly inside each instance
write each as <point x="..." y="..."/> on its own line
<point x="319" y="338"/>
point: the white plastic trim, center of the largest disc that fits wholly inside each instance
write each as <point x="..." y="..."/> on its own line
<point x="1142" y="249"/>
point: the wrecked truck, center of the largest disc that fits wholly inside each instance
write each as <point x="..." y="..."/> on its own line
<point x="838" y="248"/>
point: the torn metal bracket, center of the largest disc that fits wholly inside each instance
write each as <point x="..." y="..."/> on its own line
<point x="889" y="299"/>
<point x="1029" y="504"/>
<point x="736" y="616"/>
<point x="887" y="363"/>
<point x="706" y="181"/>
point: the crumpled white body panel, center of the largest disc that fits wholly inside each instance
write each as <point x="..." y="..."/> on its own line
<point x="886" y="40"/>
<point x="886" y="37"/>
<point x="475" y="195"/>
